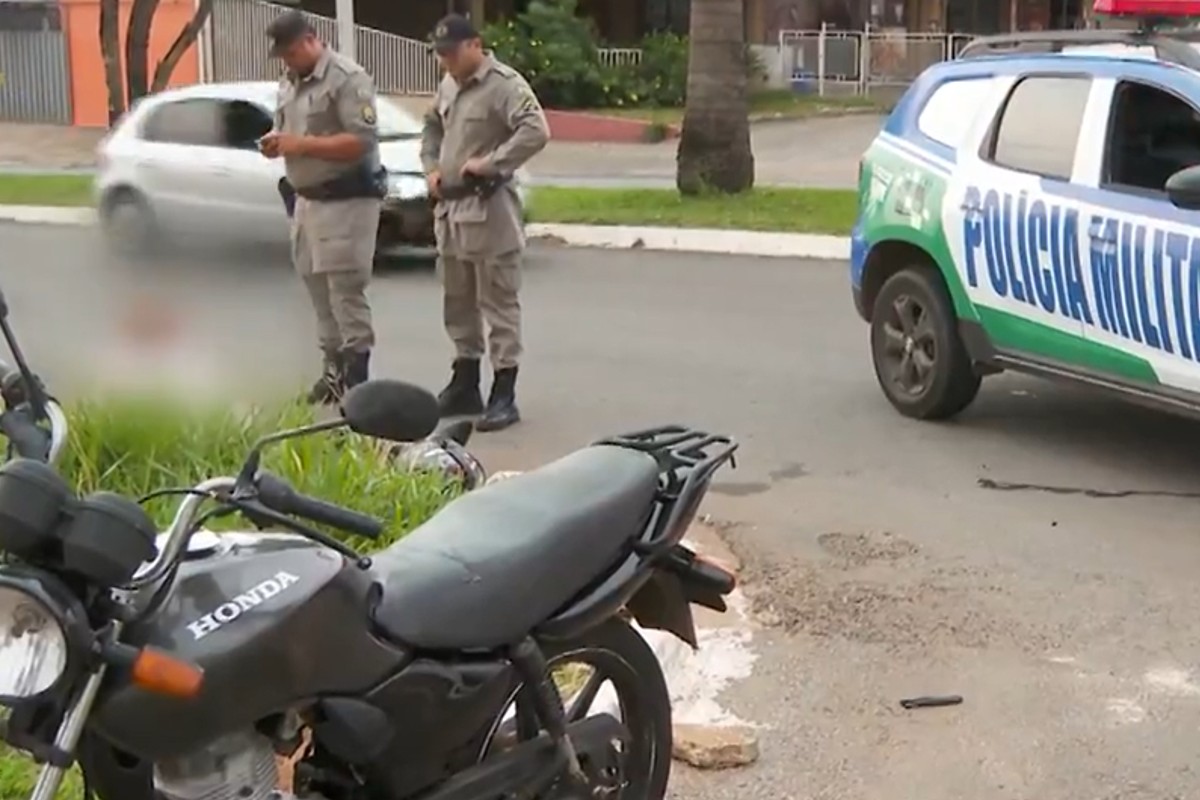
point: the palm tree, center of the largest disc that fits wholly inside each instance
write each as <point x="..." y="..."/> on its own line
<point x="714" y="146"/>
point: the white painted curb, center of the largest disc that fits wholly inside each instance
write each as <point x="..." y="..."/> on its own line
<point x="689" y="240"/>
<point x="697" y="240"/>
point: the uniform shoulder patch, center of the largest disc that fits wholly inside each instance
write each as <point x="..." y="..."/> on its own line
<point x="368" y="113"/>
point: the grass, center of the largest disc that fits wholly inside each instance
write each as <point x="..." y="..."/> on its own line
<point x="52" y="189"/>
<point x="828" y="211"/>
<point x="768" y="209"/>
<point x="768" y="104"/>
<point x="135" y="445"/>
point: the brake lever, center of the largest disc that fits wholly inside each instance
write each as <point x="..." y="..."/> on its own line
<point x="264" y="517"/>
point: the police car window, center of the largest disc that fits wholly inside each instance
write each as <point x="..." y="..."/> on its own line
<point x="1039" y="125"/>
<point x="942" y="119"/>
<point x="198" y="122"/>
<point x="1152" y="134"/>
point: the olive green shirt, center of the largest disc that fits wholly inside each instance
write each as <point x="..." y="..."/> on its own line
<point x="338" y="96"/>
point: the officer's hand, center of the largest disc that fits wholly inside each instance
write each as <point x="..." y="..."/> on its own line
<point x="287" y="144"/>
<point x="269" y="145"/>
<point x="476" y="166"/>
<point x="434" y="181"/>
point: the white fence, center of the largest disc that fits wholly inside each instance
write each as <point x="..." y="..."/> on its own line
<point x="862" y="60"/>
<point x="620" y="56"/>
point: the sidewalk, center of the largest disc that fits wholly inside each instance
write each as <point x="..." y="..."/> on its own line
<point x="818" y="153"/>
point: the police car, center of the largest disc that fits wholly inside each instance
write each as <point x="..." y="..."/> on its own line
<point x="1034" y="205"/>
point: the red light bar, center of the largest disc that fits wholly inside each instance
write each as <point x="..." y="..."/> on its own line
<point x="1142" y="8"/>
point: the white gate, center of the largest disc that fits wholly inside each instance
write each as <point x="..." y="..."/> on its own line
<point x="237" y="48"/>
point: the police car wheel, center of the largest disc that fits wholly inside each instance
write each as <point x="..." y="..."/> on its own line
<point x="920" y="361"/>
<point x="128" y="223"/>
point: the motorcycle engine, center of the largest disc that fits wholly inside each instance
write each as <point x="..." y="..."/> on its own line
<point x="240" y="766"/>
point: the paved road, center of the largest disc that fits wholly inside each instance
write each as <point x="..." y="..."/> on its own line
<point x="812" y="153"/>
<point x="1067" y="622"/>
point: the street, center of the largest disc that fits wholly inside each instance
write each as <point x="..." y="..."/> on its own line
<point x="879" y="567"/>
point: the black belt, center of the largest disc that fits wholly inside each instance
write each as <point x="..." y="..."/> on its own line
<point x="471" y="187"/>
<point x="350" y="186"/>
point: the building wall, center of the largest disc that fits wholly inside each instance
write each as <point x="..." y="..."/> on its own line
<point x="89" y="91"/>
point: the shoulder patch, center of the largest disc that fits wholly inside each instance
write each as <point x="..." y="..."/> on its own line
<point x="368" y="114"/>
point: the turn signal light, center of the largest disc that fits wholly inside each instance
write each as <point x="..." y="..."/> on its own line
<point x="161" y="673"/>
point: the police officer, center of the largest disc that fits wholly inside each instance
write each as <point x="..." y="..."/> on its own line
<point x="485" y="123"/>
<point x="325" y="132"/>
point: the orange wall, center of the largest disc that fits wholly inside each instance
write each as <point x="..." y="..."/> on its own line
<point x="89" y="93"/>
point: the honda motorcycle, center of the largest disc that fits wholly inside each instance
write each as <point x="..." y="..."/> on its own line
<point x="185" y="665"/>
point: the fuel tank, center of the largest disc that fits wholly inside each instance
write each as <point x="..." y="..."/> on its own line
<point x="271" y="619"/>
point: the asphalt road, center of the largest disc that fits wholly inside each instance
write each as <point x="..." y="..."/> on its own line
<point x="879" y="566"/>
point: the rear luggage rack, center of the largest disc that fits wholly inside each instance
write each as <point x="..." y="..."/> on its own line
<point x="687" y="460"/>
<point x="1172" y="45"/>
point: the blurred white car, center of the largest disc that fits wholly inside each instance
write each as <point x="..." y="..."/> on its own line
<point x="186" y="161"/>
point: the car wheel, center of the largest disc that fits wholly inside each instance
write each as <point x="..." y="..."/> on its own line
<point x="920" y="360"/>
<point x="128" y="222"/>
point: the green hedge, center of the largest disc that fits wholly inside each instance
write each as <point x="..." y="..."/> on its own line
<point x="558" y="52"/>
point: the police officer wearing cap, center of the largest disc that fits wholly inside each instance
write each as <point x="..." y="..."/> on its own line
<point x="484" y="124"/>
<point x="325" y="132"/>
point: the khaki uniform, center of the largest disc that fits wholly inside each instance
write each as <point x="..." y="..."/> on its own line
<point x="495" y="115"/>
<point x="333" y="241"/>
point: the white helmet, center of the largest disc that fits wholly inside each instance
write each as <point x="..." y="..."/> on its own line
<point x="444" y="455"/>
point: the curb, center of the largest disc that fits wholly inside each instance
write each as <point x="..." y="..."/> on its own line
<point x="696" y="240"/>
<point x="689" y="240"/>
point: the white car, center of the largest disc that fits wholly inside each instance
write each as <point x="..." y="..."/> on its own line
<point x="186" y="161"/>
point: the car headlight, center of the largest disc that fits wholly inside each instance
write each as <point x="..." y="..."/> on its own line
<point x="35" y="639"/>
<point x="406" y="186"/>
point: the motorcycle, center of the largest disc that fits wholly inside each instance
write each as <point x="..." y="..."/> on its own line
<point x="181" y="666"/>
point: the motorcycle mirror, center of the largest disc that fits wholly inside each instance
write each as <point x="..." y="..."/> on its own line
<point x="391" y="410"/>
<point x="34" y="392"/>
<point x="3" y="306"/>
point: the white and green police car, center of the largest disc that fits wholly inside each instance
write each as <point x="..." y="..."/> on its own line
<point x="1039" y="212"/>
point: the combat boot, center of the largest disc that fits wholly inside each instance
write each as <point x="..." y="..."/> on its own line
<point x="329" y="387"/>
<point x="355" y="368"/>
<point x="461" y="396"/>
<point x="501" y="409"/>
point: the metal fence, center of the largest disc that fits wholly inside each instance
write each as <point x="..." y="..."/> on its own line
<point x="862" y="60"/>
<point x="35" y="75"/>
<point x="620" y="56"/>
<point x="237" y="48"/>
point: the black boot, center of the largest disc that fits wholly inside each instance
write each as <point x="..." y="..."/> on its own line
<point x="461" y="396"/>
<point x="355" y="368"/>
<point x="329" y="387"/>
<point x="502" y="403"/>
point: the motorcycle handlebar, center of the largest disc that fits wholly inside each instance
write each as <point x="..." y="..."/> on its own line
<point x="278" y="495"/>
<point x="28" y="439"/>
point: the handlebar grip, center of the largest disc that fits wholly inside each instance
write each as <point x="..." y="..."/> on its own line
<point x="26" y="438"/>
<point x="278" y="495"/>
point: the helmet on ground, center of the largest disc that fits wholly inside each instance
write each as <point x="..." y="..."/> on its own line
<point x="445" y="456"/>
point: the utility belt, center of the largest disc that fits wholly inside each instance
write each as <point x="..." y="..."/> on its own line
<point x="357" y="183"/>
<point x="472" y="186"/>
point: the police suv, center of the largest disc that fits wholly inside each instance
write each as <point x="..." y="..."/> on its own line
<point x="1035" y="205"/>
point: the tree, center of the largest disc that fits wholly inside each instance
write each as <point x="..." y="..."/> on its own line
<point x="136" y="72"/>
<point x="110" y="51"/>
<point x="714" y="145"/>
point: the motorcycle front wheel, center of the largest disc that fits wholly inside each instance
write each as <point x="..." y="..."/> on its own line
<point x="607" y="670"/>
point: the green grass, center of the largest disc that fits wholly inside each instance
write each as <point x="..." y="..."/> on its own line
<point x="829" y="211"/>
<point x="136" y="445"/>
<point x="769" y="104"/>
<point x="45" y="190"/>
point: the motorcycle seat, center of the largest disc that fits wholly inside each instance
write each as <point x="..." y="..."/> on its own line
<point x="493" y="564"/>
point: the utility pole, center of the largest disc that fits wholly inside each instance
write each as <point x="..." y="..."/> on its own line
<point x="345" y="29"/>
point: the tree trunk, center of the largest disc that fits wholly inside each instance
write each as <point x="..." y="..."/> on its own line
<point x="110" y="49"/>
<point x="714" y="145"/>
<point x="186" y="38"/>
<point x="137" y="49"/>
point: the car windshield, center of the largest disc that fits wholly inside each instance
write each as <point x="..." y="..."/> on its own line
<point x="394" y="123"/>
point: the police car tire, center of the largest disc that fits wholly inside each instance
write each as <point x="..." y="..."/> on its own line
<point x="955" y="383"/>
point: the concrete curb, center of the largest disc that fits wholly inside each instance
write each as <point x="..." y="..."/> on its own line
<point x="690" y="240"/>
<point x="695" y="240"/>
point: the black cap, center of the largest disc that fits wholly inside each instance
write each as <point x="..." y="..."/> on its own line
<point x="286" y="29"/>
<point x="453" y="30"/>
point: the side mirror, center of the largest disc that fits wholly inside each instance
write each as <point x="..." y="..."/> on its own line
<point x="392" y="410"/>
<point x="1183" y="188"/>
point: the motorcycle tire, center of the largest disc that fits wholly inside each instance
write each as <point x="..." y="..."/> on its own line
<point x="618" y="652"/>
